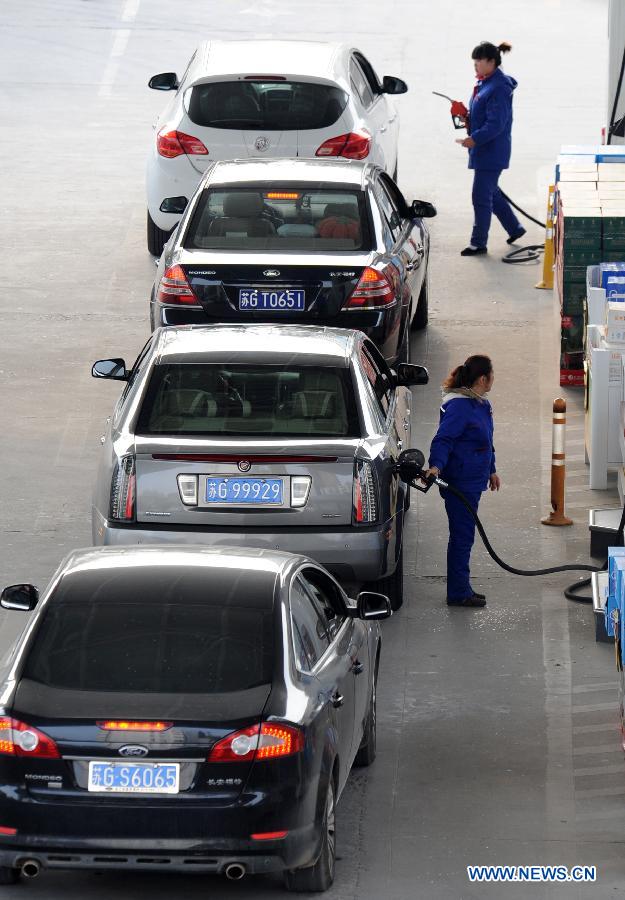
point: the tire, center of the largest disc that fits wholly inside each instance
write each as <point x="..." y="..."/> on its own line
<point x="157" y="238"/>
<point x="320" y="876"/>
<point x="392" y="585"/>
<point x="368" y="746"/>
<point x="394" y="175"/>
<point x="9" y="875"/>
<point x="420" y="319"/>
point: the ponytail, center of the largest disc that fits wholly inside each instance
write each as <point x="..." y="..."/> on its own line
<point x="467" y="374"/>
<point x="486" y="50"/>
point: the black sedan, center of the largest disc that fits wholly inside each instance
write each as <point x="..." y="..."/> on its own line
<point x="299" y="240"/>
<point x="186" y="709"/>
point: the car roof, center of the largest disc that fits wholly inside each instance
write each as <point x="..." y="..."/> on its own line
<point x="93" y="560"/>
<point x="314" y="171"/>
<point x="271" y="344"/>
<point x="317" y="60"/>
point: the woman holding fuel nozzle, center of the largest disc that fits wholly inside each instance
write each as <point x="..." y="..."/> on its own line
<point x="489" y="142"/>
<point x="462" y="453"/>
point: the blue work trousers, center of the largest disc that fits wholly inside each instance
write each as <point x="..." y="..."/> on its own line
<point x="488" y="199"/>
<point x="461" y="537"/>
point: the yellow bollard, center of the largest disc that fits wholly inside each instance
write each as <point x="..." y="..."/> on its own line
<point x="548" y="255"/>
<point x="558" y="469"/>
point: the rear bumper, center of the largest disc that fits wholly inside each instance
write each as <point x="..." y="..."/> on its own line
<point x="351" y="554"/>
<point x="299" y="848"/>
<point x="383" y="327"/>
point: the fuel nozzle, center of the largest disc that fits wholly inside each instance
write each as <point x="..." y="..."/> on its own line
<point x="459" y="112"/>
<point x="410" y="466"/>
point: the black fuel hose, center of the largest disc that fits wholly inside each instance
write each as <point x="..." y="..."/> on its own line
<point x="523" y="254"/>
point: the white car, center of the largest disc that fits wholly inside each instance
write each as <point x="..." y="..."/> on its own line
<point x="241" y="99"/>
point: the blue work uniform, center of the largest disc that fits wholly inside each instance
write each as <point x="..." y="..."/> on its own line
<point x="490" y="126"/>
<point x="462" y="450"/>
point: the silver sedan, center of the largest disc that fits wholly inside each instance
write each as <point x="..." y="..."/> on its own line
<point x="270" y="436"/>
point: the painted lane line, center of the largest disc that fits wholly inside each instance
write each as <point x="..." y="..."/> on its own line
<point x="600" y="770"/>
<point x="601" y="748"/>
<point x="130" y="10"/>
<point x="590" y="793"/>
<point x="602" y="726"/>
<point x="120" y="43"/>
<point x="595" y="707"/>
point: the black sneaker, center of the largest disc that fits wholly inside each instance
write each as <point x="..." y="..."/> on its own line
<point x="473" y="600"/>
<point x="473" y="251"/>
<point x="516" y="237"/>
<point x="479" y="596"/>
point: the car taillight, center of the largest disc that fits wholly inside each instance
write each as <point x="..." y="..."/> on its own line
<point x="355" y="145"/>
<point x="174" y="288"/>
<point x="19" y="739"/>
<point x="267" y="740"/>
<point x="123" y="490"/>
<point x="374" y="290"/>
<point x="365" y="500"/>
<point x="174" y="143"/>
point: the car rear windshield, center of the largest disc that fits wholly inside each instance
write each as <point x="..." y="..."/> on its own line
<point x="288" y="401"/>
<point x="272" y="105"/>
<point x="279" y="218"/>
<point x="156" y="635"/>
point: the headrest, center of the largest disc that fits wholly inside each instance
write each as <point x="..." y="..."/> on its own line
<point x="350" y="210"/>
<point x="314" y="405"/>
<point x="242" y="204"/>
<point x="190" y="402"/>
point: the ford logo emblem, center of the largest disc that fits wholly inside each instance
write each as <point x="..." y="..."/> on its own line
<point x="261" y="144"/>
<point x="271" y="273"/>
<point x="133" y="750"/>
<point x="244" y="465"/>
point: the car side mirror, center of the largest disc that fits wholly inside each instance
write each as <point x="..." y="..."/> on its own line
<point x="408" y="374"/>
<point x="166" y="81"/>
<point x="372" y="606"/>
<point x="21" y="597"/>
<point x="392" y="85"/>
<point x="421" y="209"/>
<point x="110" y="368"/>
<point x="410" y="465"/>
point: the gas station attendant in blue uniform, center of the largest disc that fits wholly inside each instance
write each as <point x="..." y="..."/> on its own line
<point x="489" y="143"/>
<point x="462" y="453"/>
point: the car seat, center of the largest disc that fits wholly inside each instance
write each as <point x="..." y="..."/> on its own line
<point x="242" y="215"/>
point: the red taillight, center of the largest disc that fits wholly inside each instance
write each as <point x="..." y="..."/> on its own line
<point x="355" y="145"/>
<point x="269" y="835"/>
<point x="174" y="288"/>
<point x="268" y="740"/>
<point x="123" y="725"/>
<point x="365" y="499"/>
<point x="19" y="739"/>
<point x="123" y="490"/>
<point x="374" y="290"/>
<point x="174" y="143"/>
<point x="10" y="831"/>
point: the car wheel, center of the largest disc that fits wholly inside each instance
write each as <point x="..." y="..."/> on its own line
<point x="320" y="876"/>
<point x="421" y="315"/>
<point x="393" y="585"/>
<point x="9" y="875"/>
<point x="157" y="238"/>
<point x="367" y="750"/>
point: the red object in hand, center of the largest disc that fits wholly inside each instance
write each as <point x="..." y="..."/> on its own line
<point x="458" y="108"/>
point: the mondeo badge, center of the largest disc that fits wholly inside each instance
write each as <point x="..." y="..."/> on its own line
<point x="244" y="465"/>
<point x="271" y="273"/>
<point x="261" y="144"/>
<point x="133" y="750"/>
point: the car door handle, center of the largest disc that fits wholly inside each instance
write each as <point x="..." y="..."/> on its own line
<point x="400" y="443"/>
<point x="411" y="266"/>
<point x="337" y="700"/>
<point x="406" y="426"/>
<point x="382" y="128"/>
<point x="357" y="667"/>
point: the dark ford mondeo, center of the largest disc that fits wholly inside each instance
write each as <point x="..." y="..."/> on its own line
<point x="185" y="709"/>
<point x="323" y="242"/>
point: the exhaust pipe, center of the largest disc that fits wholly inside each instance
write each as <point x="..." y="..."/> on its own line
<point x="235" y="871"/>
<point x="30" y="868"/>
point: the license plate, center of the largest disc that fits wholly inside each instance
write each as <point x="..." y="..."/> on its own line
<point x="134" y="778"/>
<point x="273" y="301"/>
<point x="234" y="491"/>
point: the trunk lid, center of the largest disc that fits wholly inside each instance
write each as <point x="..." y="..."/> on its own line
<point x="329" y="464"/>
